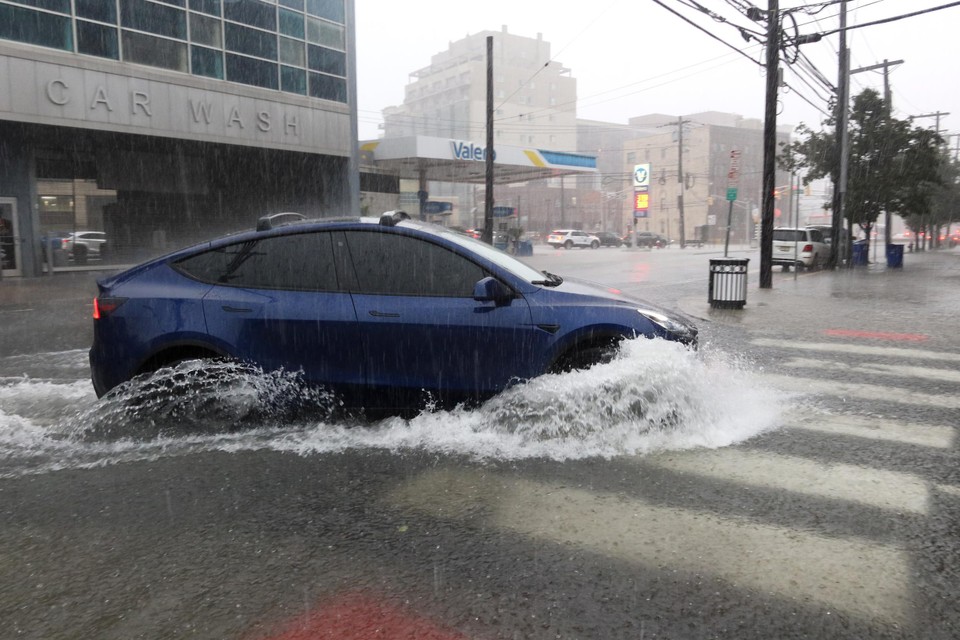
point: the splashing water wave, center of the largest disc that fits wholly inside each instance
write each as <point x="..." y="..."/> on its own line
<point x="655" y="395"/>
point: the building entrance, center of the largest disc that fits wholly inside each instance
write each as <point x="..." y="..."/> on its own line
<point x="9" y="237"/>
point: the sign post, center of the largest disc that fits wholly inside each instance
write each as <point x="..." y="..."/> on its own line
<point x="641" y="196"/>
<point x="733" y="180"/>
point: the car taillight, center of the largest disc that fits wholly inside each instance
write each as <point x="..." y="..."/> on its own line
<point x="105" y="306"/>
<point x="807" y="248"/>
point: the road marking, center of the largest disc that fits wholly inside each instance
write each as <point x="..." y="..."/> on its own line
<point x="869" y="580"/>
<point x="891" y="490"/>
<point x="897" y="370"/>
<point x="876" y="335"/>
<point x="936" y="436"/>
<point x="949" y="489"/>
<point x="894" y="352"/>
<point x="845" y="389"/>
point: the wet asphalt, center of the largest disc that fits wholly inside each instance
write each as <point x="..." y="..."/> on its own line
<point x="845" y="523"/>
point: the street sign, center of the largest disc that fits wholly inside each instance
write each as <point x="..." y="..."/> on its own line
<point x="733" y="175"/>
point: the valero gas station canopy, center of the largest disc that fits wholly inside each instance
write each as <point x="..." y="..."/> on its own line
<point x="446" y="160"/>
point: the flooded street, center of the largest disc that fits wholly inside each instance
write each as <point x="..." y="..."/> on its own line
<point x="782" y="481"/>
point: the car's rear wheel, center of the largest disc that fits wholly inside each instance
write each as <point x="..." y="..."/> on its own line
<point x="568" y="244"/>
<point x="594" y="245"/>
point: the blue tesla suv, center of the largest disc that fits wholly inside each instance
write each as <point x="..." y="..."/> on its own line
<point x="383" y="312"/>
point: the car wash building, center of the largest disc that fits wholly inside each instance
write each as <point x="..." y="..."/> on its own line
<point x="155" y="123"/>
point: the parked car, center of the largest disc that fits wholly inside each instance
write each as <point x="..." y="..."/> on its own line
<point x="388" y="311"/>
<point x="81" y="245"/>
<point x="570" y="238"/>
<point x="649" y="239"/>
<point x="608" y="239"/>
<point x="803" y="248"/>
<point x="827" y="232"/>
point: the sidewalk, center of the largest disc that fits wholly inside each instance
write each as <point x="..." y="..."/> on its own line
<point x="922" y="298"/>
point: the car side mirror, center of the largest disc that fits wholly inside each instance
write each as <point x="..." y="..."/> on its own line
<point x="492" y="290"/>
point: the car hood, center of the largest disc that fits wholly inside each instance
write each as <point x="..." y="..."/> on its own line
<point x="592" y="292"/>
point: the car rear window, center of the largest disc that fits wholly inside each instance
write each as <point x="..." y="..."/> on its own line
<point x="789" y="235"/>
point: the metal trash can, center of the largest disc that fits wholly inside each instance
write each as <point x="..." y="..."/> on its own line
<point x="728" y="283"/>
<point x="895" y="256"/>
<point x="861" y="253"/>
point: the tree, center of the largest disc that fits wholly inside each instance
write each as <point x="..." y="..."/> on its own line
<point x="892" y="166"/>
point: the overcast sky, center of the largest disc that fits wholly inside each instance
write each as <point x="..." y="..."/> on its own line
<point x="633" y="57"/>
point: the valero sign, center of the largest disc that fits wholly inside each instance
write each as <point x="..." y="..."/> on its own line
<point x="470" y="151"/>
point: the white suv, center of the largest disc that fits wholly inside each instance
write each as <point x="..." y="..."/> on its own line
<point x="85" y="244"/>
<point x="569" y="238"/>
<point x="799" y="247"/>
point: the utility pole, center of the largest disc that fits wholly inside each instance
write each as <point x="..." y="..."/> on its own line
<point x="837" y="252"/>
<point x="680" y="180"/>
<point x="488" y="153"/>
<point x="888" y="108"/>
<point x="770" y="144"/>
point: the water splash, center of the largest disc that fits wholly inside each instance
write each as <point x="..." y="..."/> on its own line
<point x="654" y="396"/>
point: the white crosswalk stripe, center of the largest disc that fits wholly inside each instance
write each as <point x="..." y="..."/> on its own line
<point x="857" y="349"/>
<point x="862" y="577"/>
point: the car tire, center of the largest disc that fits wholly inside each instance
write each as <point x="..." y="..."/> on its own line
<point x="785" y="267"/>
<point x="594" y="245"/>
<point x="584" y="356"/>
<point x="568" y="244"/>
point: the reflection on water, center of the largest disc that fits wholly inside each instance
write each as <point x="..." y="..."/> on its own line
<point x="655" y="396"/>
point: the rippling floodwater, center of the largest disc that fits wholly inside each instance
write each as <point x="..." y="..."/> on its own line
<point x="655" y="396"/>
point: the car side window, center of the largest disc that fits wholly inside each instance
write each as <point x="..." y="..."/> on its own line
<point x="299" y="262"/>
<point x="816" y="236"/>
<point x="394" y="264"/>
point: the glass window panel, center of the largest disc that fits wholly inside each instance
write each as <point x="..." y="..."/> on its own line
<point x="428" y="269"/>
<point x="252" y="12"/>
<point x="291" y="24"/>
<point x="329" y="9"/>
<point x="205" y="30"/>
<point x="97" y="40"/>
<point x="325" y="33"/>
<point x="33" y="27"/>
<point x="293" y="80"/>
<point x="326" y="60"/>
<point x="291" y="52"/>
<point x="250" y="41"/>
<point x="258" y="73"/>
<point x="60" y="6"/>
<point x="179" y="3"/>
<point x="328" y="87"/>
<point x="293" y="4"/>
<point x="154" y="18"/>
<point x="207" y="6"/>
<point x="156" y="52"/>
<point x="97" y="10"/>
<point x="206" y="62"/>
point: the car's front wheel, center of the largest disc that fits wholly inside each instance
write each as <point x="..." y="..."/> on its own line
<point x="594" y="245"/>
<point x="568" y="244"/>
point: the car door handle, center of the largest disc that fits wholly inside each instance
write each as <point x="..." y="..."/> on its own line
<point x="381" y="314"/>
<point x="230" y="309"/>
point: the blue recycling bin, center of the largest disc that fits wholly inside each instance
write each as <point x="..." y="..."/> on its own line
<point x="861" y="251"/>
<point x="895" y="256"/>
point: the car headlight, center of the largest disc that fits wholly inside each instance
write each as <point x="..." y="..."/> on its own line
<point x="666" y="322"/>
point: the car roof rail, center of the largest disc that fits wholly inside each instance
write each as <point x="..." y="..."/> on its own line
<point x="391" y="218"/>
<point x="275" y="220"/>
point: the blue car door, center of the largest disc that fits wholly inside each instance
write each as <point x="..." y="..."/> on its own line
<point x="420" y="327"/>
<point x="278" y="304"/>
